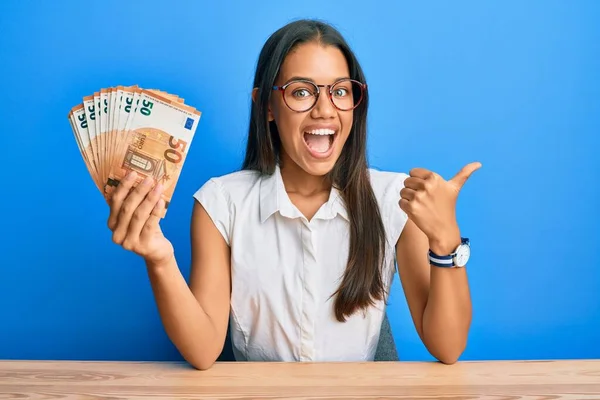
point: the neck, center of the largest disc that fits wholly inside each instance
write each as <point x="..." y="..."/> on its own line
<point x="296" y="180"/>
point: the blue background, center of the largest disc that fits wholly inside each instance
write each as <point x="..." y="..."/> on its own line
<point x="513" y="84"/>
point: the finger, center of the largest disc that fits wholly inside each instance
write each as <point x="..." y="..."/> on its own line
<point x="130" y="204"/>
<point x="158" y="212"/>
<point x="117" y="198"/>
<point x="421" y="173"/>
<point x="142" y="213"/>
<point x="407" y="194"/>
<point x="405" y="205"/>
<point x="414" y="183"/>
<point x="152" y="224"/>
<point x="160" y="209"/>
<point x="465" y="173"/>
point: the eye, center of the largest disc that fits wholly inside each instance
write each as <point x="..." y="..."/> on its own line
<point x="340" y="92"/>
<point x="301" y="93"/>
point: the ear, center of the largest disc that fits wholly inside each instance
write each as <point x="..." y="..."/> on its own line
<point x="270" y="116"/>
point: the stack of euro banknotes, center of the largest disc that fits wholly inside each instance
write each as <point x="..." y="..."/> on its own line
<point x="127" y="128"/>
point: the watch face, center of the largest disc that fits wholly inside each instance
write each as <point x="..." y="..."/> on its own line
<point x="462" y="255"/>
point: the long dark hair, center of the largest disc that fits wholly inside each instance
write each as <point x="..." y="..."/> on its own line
<point x="362" y="282"/>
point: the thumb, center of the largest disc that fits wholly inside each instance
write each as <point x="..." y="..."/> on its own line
<point x="461" y="177"/>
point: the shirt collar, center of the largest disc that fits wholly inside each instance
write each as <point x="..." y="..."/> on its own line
<point x="273" y="198"/>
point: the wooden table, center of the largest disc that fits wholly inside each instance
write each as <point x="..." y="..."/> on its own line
<point x="404" y="380"/>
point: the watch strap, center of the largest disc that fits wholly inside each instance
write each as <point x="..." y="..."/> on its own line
<point x="441" y="261"/>
<point x="445" y="261"/>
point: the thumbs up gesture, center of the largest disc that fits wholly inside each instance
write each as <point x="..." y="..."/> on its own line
<point x="430" y="202"/>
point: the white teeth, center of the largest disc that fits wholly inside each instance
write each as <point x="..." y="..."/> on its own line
<point x="321" y="132"/>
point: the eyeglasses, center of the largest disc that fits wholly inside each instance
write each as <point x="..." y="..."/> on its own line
<point x="302" y="95"/>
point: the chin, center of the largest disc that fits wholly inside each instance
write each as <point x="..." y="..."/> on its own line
<point x="319" y="168"/>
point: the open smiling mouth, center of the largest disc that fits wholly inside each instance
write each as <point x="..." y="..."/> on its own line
<point x="320" y="141"/>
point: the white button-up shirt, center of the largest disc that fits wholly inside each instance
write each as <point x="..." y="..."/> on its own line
<point x="285" y="268"/>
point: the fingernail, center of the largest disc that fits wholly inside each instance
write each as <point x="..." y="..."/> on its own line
<point x="131" y="175"/>
<point x="147" y="181"/>
<point x="158" y="188"/>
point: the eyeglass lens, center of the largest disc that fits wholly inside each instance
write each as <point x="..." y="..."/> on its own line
<point x="302" y="95"/>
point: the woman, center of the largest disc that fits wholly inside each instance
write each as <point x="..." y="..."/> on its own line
<point x="295" y="252"/>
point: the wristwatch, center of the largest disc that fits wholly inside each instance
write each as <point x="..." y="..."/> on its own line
<point x="456" y="259"/>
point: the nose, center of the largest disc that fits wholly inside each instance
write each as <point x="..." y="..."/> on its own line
<point x="324" y="107"/>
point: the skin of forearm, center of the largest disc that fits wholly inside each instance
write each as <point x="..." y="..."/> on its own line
<point x="186" y="323"/>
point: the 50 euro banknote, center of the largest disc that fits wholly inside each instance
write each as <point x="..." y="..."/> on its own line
<point x="154" y="142"/>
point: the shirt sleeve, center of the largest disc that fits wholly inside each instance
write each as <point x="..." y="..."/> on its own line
<point x="395" y="216"/>
<point x="218" y="205"/>
<point x="387" y="186"/>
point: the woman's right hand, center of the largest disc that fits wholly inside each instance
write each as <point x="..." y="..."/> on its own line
<point x="134" y="219"/>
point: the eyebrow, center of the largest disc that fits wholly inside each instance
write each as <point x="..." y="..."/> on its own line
<point x="303" y="78"/>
